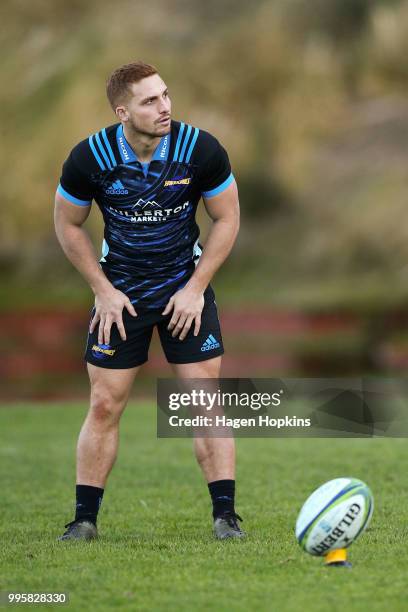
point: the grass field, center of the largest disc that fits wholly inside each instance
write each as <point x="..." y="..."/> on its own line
<point x="156" y="550"/>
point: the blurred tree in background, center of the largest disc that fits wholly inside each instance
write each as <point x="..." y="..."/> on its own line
<point x="308" y="96"/>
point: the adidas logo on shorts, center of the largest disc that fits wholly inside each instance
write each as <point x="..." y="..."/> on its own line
<point x="210" y="343"/>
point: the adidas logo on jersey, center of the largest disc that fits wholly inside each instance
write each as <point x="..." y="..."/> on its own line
<point x="210" y="343"/>
<point x="117" y="188"/>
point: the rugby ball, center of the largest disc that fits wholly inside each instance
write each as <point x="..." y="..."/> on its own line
<point x="334" y="516"/>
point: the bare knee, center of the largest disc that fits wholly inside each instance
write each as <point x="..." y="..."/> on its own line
<point x="106" y="408"/>
<point x="109" y="394"/>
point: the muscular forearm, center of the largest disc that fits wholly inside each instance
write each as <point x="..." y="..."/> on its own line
<point x="109" y="302"/>
<point x="219" y="243"/>
<point x="79" y="249"/>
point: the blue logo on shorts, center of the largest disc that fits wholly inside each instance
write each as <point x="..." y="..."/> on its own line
<point x="102" y="351"/>
<point x="210" y="343"/>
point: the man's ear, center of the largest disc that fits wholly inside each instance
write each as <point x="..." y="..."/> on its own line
<point x="122" y="113"/>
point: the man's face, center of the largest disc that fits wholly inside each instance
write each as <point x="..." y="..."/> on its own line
<point x="149" y="109"/>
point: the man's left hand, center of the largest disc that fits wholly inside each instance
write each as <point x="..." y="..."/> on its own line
<point x="187" y="305"/>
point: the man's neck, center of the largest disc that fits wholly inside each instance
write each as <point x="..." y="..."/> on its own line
<point x="142" y="144"/>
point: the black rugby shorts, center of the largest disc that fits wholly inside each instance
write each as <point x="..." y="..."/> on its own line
<point x="132" y="352"/>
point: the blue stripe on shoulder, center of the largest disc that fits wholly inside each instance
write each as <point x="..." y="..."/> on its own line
<point x="95" y="152"/>
<point x="183" y="150"/>
<point x="192" y="145"/>
<point x="180" y="135"/>
<point x="108" y="146"/>
<point x="102" y="150"/>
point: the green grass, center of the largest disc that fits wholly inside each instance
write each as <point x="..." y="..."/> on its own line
<point x="156" y="550"/>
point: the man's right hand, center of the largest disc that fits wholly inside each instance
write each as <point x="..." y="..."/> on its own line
<point x="109" y="306"/>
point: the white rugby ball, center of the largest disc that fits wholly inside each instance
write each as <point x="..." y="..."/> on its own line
<point x="334" y="515"/>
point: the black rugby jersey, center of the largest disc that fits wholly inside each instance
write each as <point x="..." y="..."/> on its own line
<point x="150" y="244"/>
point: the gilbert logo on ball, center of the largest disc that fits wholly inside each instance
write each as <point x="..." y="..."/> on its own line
<point x="334" y="516"/>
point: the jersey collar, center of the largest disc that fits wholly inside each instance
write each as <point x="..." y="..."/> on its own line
<point x="127" y="154"/>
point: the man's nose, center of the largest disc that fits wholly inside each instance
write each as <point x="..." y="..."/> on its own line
<point x="164" y="105"/>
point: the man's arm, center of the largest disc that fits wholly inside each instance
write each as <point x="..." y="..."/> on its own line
<point x="188" y="303"/>
<point x="77" y="246"/>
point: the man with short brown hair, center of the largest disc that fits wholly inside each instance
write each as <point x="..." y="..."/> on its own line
<point x="147" y="174"/>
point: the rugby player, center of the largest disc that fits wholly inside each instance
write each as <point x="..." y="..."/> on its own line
<point x="147" y="173"/>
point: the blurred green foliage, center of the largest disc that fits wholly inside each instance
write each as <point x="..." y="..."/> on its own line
<point x="308" y="96"/>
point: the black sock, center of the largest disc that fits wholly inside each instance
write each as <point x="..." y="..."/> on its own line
<point x="222" y="494"/>
<point x="88" y="502"/>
